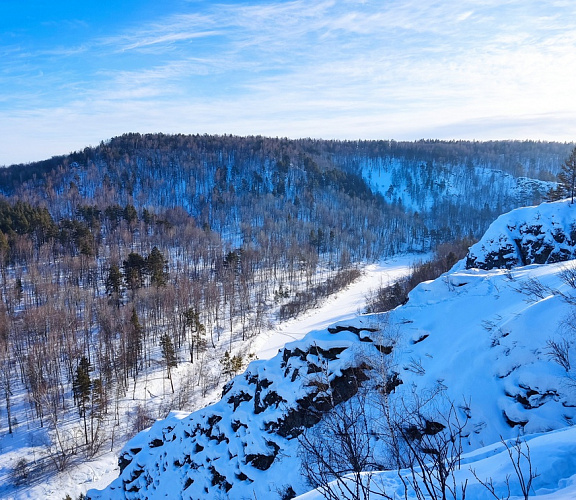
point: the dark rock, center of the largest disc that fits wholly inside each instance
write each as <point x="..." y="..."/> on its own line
<point x="384" y="349"/>
<point x="213" y="420"/>
<point x="238" y="398"/>
<point x="420" y="339"/>
<point x="513" y="423"/>
<point x="263" y="462"/>
<point x="353" y="329"/>
<point x="260" y="385"/>
<point x="219" y="480"/>
<point x="308" y="410"/>
<point x="312" y="368"/>
<point x="155" y="443"/>
<point x="236" y="424"/>
<point x="125" y="459"/>
<point x="243" y="477"/>
<point x="188" y="482"/>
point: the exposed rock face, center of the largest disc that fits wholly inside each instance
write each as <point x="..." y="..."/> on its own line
<point x="534" y="235"/>
<point x="220" y="451"/>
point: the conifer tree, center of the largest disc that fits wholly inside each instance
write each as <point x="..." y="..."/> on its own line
<point x="169" y="356"/>
<point x="82" y="386"/>
<point x="566" y="180"/>
<point x="156" y="265"/>
<point x="114" y="284"/>
<point x="197" y="329"/>
<point x="136" y="337"/>
<point x="134" y="269"/>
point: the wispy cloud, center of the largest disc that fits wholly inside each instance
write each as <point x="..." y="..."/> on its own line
<point x="332" y="68"/>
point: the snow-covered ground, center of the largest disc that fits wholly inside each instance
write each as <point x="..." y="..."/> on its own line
<point x="103" y="469"/>
<point x="552" y="458"/>
<point x="481" y="335"/>
<point x="479" y="338"/>
<point x="342" y="306"/>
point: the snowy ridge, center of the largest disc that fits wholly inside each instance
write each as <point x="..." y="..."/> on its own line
<point x="231" y="447"/>
<point x="478" y="336"/>
<point x="531" y="235"/>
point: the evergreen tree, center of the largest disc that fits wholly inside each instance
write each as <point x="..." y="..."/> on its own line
<point x="231" y="365"/>
<point x="82" y="386"/>
<point x="114" y="284"/>
<point x="134" y="269"/>
<point x="169" y="355"/>
<point x="130" y="214"/>
<point x="135" y="338"/>
<point x="156" y="265"/>
<point x="197" y="329"/>
<point x="98" y="408"/>
<point x="566" y="180"/>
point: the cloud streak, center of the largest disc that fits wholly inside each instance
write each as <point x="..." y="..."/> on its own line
<point x="339" y="68"/>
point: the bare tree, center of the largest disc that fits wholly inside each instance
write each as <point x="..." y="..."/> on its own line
<point x="337" y="454"/>
<point x="519" y="454"/>
<point x="427" y="440"/>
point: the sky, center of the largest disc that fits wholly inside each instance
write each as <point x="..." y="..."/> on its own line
<point x="73" y="74"/>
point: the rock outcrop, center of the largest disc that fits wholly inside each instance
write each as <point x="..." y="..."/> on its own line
<point x="534" y="235"/>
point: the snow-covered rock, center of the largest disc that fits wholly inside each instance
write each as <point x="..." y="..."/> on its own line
<point x="531" y="235"/>
<point x="231" y="448"/>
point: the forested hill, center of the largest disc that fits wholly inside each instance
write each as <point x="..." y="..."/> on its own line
<point x="379" y="193"/>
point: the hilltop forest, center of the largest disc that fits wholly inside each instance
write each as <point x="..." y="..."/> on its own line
<point x="149" y="251"/>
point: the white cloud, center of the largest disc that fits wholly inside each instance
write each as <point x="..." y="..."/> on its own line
<point x="344" y="69"/>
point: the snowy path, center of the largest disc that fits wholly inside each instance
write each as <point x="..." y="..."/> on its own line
<point x="344" y="305"/>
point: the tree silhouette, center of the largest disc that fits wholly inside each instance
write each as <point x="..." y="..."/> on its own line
<point x="566" y="180"/>
<point x="156" y="265"/>
<point x="134" y="269"/>
<point x="169" y="355"/>
<point x="114" y="284"/>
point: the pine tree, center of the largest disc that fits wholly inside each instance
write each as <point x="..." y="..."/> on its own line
<point x="156" y="265"/>
<point x="169" y="355"/>
<point x="114" y="284"/>
<point x="566" y="180"/>
<point x="134" y="269"/>
<point x="231" y="365"/>
<point x="82" y="386"/>
<point x="197" y="329"/>
<point x="135" y="338"/>
<point x="98" y="407"/>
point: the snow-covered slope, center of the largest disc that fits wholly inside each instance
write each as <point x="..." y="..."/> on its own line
<point x="551" y="456"/>
<point x="540" y="235"/>
<point x="480" y="337"/>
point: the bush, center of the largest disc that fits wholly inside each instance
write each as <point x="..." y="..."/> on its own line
<point x="20" y="472"/>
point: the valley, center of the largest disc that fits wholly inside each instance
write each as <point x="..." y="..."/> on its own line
<point x="144" y="277"/>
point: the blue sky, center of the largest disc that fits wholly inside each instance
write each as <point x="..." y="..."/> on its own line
<point x="75" y="73"/>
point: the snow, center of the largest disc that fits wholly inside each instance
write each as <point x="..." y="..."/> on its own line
<point x="102" y="470"/>
<point x="552" y="458"/>
<point x="542" y="234"/>
<point x="480" y="336"/>
<point x="340" y="307"/>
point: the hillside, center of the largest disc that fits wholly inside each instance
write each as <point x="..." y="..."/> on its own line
<point x="456" y="187"/>
<point x="482" y="340"/>
<point x="139" y="276"/>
